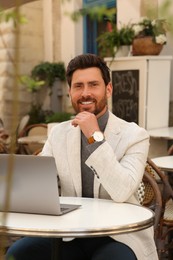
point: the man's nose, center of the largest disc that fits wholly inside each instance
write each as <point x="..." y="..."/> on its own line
<point x="86" y="91"/>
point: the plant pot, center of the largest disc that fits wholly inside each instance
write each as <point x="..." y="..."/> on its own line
<point x="145" y="46"/>
<point x="123" y="51"/>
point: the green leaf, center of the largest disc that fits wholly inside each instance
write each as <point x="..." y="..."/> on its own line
<point x="31" y="84"/>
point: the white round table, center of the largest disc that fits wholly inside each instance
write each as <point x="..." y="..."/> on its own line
<point x="162" y="133"/>
<point x="95" y="217"/>
<point x="165" y="163"/>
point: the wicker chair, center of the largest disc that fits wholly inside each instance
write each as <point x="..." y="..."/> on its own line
<point x="5" y="139"/>
<point x="32" y="130"/>
<point x="152" y="198"/>
<point x="22" y="124"/>
<point x="3" y="148"/>
<point x="37" y="152"/>
<point x="165" y="225"/>
<point x="170" y="150"/>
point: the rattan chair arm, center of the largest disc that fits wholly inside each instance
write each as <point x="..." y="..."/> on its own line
<point x="167" y="189"/>
<point x="158" y="199"/>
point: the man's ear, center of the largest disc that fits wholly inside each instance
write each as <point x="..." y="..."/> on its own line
<point x="109" y="89"/>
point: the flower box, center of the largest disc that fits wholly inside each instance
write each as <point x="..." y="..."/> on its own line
<point x="145" y="46"/>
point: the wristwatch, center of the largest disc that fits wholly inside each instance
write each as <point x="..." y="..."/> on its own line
<point x="98" y="136"/>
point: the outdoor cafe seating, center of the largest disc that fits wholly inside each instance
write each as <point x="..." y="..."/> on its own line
<point x="32" y="138"/>
<point x="157" y="193"/>
<point x="164" y="219"/>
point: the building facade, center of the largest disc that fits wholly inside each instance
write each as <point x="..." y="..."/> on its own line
<point x="51" y="35"/>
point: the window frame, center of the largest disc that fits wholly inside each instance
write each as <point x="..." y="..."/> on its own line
<point x="90" y="44"/>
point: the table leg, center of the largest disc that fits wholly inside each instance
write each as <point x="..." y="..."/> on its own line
<point x="56" y="248"/>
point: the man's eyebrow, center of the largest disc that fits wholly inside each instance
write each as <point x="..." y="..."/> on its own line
<point x="88" y="82"/>
<point x="78" y="83"/>
<point x="93" y="81"/>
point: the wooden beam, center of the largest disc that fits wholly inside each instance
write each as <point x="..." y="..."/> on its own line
<point x="11" y="3"/>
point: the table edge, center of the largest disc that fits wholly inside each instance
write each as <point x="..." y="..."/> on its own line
<point x="79" y="233"/>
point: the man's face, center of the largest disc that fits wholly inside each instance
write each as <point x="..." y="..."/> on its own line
<point x="88" y="91"/>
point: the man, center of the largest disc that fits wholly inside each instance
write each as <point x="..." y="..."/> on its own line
<point x="97" y="155"/>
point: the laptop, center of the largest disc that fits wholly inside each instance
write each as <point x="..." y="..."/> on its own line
<point x="34" y="185"/>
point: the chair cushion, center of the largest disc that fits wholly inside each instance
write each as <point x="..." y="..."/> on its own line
<point x="141" y="193"/>
<point x="168" y="214"/>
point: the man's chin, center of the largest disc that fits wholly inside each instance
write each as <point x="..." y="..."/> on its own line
<point x="90" y="111"/>
<point x="86" y="109"/>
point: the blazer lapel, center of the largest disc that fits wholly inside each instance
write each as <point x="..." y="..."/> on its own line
<point x="113" y="135"/>
<point x="112" y="131"/>
<point x="74" y="157"/>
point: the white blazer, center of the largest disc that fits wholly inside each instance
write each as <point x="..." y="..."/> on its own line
<point x="118" y="166"/>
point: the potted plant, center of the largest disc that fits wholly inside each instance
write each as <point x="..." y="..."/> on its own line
<point x="45" y="83"/>
<point x="38" y="115"/>
<point x="49" y="72"/>
<point x="150" y="36"/>
<point x="45" y="73"/>
<point x="112" y="41"/>
<point x="58" y="117"/>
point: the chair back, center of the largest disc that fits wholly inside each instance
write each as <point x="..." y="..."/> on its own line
<point x="165" y="226"/>
<point x="3" y="148"/>
<point x="22" y="124"/>
<point x="33" y="130"/>
<point x="170" y="150"/>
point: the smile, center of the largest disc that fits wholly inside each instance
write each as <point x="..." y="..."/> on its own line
<point x="86" y="102"/>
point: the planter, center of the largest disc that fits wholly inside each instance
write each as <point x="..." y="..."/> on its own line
<point x="145" y="46"/>
<point x="123" y="51"/>
<point x="56" y="97"/>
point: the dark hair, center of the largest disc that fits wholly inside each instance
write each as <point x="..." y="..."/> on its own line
<point x="85" y="61"/>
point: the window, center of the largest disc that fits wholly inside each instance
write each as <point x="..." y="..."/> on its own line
<point x="93" y="28"/>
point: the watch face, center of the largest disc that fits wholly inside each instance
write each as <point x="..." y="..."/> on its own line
<point x="98" y="136"/>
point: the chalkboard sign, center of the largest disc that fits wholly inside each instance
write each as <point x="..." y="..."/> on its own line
<point x="126" y="94"/>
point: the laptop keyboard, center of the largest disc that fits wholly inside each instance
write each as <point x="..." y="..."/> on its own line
<point x="63" y="209"/>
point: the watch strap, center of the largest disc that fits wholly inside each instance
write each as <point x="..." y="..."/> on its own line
<point x="91" y="140"/>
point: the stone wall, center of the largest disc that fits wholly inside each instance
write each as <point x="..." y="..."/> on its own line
<point x="31" y="52"/>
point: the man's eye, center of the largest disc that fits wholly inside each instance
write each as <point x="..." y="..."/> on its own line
<point x="77" y="86"/>
<point x="94" y="84"/>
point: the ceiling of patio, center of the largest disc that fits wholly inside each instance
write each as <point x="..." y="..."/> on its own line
<point x="11" y="3"/>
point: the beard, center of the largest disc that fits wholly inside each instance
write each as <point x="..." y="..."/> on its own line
<point x="97" y="107"/>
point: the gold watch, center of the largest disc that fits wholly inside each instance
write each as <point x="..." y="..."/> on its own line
<point x="98" y="136"/>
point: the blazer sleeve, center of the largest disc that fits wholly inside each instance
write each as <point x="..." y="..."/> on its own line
<point x="120" y="169"/>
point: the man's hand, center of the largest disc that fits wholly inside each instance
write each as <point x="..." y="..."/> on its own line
<point x="87" y="122"/>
